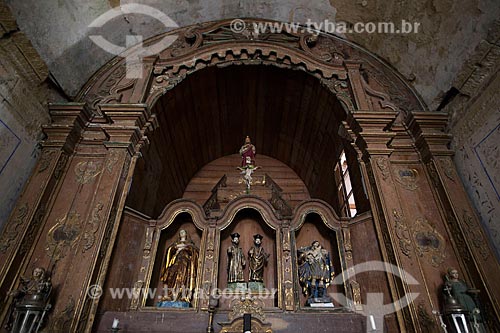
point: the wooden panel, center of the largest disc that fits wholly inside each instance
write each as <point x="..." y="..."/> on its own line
<point x="288" y="115"/>
<point x="200" y="187"/>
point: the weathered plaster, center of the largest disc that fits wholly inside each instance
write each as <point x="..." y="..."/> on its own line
<point x="431" y="59"/>
<point x="23" y="110"/>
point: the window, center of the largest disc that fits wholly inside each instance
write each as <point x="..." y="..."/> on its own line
<point x="344" y="188"/>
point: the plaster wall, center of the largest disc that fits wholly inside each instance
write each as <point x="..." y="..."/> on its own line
<point x="430" y="59"/>
<point x="23" y="110"/>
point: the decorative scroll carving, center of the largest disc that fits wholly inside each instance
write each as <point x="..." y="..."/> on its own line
<point x="148" y="242"/>
<point x="63" y="158"/>
<point x="356" y="295"/>
<point x="89" y="235"/>
<point x="384" y="99"/>
<point x="403" y="233"/>
<point x="62" y="321"/>
<point x="45" y="159"/>
<point x="112" y="160"/>
<point x="426" y="321"/>
<point x="64" y="234"/>
<point x="136" y="294"/>
<point x="347" y="243"/>
<point x="384" y="167"/>
<point x="433" y="174"/>
<point x="475" y="235"/>
<point x="407" y="178"/>
<point x="341" y="90"/>
<point x="429" y="242"/>
<point x="239" y="307"/>
<point x="29" y="237"/>
<point x="12" y="230"/>
<point x="461" y="245"/>
<point x="448" y="168"/>
<point x="87" y="171"/>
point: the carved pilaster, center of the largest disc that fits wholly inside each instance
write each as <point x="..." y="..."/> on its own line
<point x="287" y="269"/>
<point x="209" y="282"/>
<point x="29" y="216"/>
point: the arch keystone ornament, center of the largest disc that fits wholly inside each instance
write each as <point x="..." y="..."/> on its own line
<point x="95" y="146"/>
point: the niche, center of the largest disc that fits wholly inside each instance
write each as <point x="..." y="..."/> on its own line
<point x="169" y="236"/>
<point x="247" y="223"/>
<point x="314" y="229"/>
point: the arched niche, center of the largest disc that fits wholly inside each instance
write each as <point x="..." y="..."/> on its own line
<point x="248" y="222"/>
<point x="314" y="228"/>
<point x="167" y="234"/>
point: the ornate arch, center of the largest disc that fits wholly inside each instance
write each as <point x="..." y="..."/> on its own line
<point x="263" y="207"/>
<point x="359" y="79"/>
<point x="320" y="207"/>
<point x="176" y="207"/>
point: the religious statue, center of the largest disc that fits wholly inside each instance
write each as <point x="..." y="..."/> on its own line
<point x="247" y="171"/>
<point x="315" y="272"/>
<point x="460" y="308"/>
<point x="257" y="258"/>
<point x="247" y="150"/>
<point x="179" y="272"/>
<point x="235" y="262"/>
<point x="31" y="301"/>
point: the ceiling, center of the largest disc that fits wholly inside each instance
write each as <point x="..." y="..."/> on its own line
<point x="430" y="59"/>
<point x="288" y="115"/>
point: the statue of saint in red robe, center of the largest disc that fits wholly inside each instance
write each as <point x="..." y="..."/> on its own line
<point x="247" y="150"/>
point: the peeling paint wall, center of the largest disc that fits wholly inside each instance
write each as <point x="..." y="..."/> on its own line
<point x="23" y="109"/>
<point x="475" y="125"/>
<point x="430" y="59"/>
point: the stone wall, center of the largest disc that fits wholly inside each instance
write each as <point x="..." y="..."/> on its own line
<point x="23" y="109"/>
<point x="475" y="125"/>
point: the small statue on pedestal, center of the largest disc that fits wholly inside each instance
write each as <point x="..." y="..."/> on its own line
<point x="315" y="274"/>
<point x="257" y="258"/>
<point x="247" y="152"/>
<point x="30" y="304"/>
<point x="235" y="264"/>
<point x="179" y="272"/>
<point x="460" y="310"/>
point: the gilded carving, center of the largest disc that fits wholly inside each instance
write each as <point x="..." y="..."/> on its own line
<point x="347" y="243"/>
<point x="95" y="220"/>
<point x="356" y="295"/>
<point x="383" y="165"/>
<point x="239" y="307"/>
<point x="407" y="178"/>
<point x="403" y="233"/>
<point x="475" y="235"/>
<point x="87" y="171"/>
<point x="429" y="243"/>
<point x="64" y="234"/>
<point x="12" y="230"/>
<point x="136" y="293"/>
<point x="148" y="242"/>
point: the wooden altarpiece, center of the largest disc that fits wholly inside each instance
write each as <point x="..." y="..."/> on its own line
<point x="82" y="180"/>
